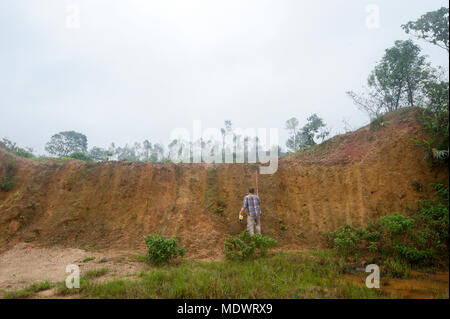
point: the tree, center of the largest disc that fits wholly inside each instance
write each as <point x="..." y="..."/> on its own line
<point x="128" y="153"/>
<point x="396" y="80"/>
<point x="370" y="102"/>
<point x="99" y="154"/>
<point x="147" y="150"/>
<point x="157" y="153"/>
<point x="152" y="153"/>
<point x="65" y="143"/>
<point x="227" y="129"/>
<point x="292" y="125"/>
<point x="314" y="129"/>
<point x="431" y="27"/>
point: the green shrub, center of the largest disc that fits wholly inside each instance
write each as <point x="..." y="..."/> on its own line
<point x="15" y="149"/>
<point x="435" y="123"/>
<point x="377" y="122"/>
<point x="414" y="254"/>
<point x="7" y="184"/>
<point x="80" y="156"/>
<point x="421" y="238"/>
<point x="9" y="170"/>
<point x="346" y="238"/>
<point x="396" y="224"/>
<point x="396" y="269"/>
<point x="434" y="213"/>
<point x="247" y="246"/>
<point x="220" y="207"/>
<point x="161" y="249"/>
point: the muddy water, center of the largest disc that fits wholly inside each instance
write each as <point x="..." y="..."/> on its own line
<point x="419" y="286"/>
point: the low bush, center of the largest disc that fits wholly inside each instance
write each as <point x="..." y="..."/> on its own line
<point x="8" y="171"/>
<point x="247" y="246"/>
<point x="435" y="124"/>
<point x="161" y="249"/>
<point x="80" y="156"/>
<point x="433" y="214"/>
<point x="15" y="149"/>
<point x="419" y="239"/>
<point x="377" y="122"/>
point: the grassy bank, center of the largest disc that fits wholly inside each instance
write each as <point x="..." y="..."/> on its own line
<point x="315" y="274"/>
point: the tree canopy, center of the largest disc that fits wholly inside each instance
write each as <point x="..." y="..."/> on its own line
<point x="66" y="143"/>
<point x="304" y="137"/>
<point x="432" y="27"/>
<point x="396" y="81"/>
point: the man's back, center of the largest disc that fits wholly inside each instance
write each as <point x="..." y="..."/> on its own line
<point x="252" y="203"/>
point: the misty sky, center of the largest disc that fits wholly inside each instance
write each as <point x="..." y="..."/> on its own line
<point x="135" y="70"/>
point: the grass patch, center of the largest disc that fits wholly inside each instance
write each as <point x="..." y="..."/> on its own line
<point x="141" y="258"/>
<point x="95" y="273"/>
<point x="28" y="292"/>
<point x="62" y="290"/>
<point x="85" y="260"/>
<point x="284" y="275"/>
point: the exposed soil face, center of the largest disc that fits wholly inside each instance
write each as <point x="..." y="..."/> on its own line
<point x="356" y="177"/>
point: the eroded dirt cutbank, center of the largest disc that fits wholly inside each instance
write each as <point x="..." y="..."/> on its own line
<point x="355" y="177"/>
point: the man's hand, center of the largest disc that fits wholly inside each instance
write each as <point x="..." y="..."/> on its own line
<point x="241" y="217"/>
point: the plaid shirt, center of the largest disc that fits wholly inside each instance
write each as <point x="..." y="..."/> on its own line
<point x="251" y="202"/>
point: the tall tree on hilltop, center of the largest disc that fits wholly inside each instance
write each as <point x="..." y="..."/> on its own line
<point x="66" y="143"/>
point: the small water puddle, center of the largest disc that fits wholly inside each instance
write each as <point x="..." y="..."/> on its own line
<point x="419" y="286"/>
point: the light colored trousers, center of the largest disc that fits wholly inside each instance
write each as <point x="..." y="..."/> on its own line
<point x="254" y="222"/>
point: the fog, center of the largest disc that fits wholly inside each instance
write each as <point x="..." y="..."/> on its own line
<point x="128" y="70"/>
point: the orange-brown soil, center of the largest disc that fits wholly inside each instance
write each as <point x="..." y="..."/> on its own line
<point x="355" y="177"/>
<point x="419" y="286"/>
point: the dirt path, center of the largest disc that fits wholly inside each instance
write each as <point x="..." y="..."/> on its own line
<point x="26" y="264"/>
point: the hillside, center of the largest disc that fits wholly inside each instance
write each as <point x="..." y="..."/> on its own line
<point x="354" y="177"/>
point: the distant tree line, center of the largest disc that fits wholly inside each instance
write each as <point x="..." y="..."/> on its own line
<point x="232" y="145"/>
<point x="75" y="145"/>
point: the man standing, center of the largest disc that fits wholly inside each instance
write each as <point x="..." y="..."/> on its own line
<point x="251" y="203"/>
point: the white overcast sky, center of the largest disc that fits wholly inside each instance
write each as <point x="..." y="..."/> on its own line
<point x="136" y="70"/>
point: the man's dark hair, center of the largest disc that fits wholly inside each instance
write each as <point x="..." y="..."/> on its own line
<point x="251" y="190"/>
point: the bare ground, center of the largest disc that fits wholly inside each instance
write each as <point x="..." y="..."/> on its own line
<point x="26" y="264"/>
